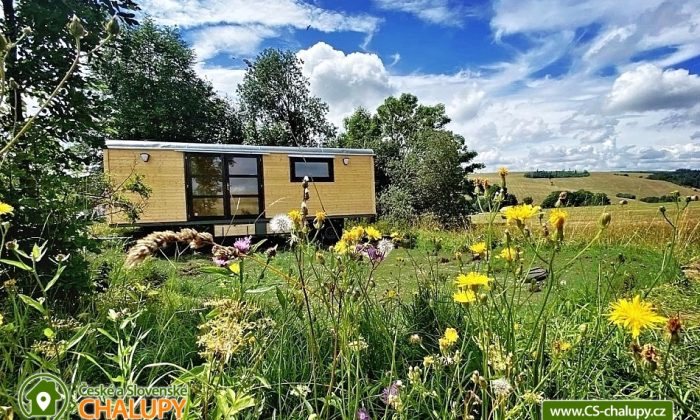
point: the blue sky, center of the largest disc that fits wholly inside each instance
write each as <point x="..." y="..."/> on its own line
<point x="586" y="84"/>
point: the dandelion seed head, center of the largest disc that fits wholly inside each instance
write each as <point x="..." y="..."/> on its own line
<point x="281" y="223"/>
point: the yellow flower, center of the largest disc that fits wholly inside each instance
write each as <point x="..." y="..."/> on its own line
<point x="373" y="233"/>
<point x="341" y="247"/>
<point x="557" y="217"/>
<point x="451" y="336"/>
<point x="509" y="254"/>
<point x="320" y="216"/>
<point x="428" y="360"/>
<point x="235" y="268"/>
<point x="471" y="279"/>
<point x="634" y="315"/>
<point x="502" y="171"/>
<point x="296" y="217"/>
<point x="353" y="235"/>
<point x="464" y="296"/>
<point x="519" y="213"/>
<point x="560" y="347"/>
<point x="478" y="248"/>
<point x="6" y="208"/>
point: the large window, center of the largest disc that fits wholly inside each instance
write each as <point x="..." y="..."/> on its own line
<point x="223" y="186"/>
<point x="317" y="169"/>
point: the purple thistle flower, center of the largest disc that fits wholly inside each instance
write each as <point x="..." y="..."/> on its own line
<point x="220" y="262"/>
<point x="373" y="254"/>
<point x="362" y="414"/>
<point x="391" y="392"/>
<point x="242" y="245"/>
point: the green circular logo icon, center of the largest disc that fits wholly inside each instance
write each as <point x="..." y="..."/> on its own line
<point x="43" y="395"/>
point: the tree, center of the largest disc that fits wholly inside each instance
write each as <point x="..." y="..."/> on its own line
<point x="42" y="174"/>
<point x="157" y="95"/>
<point x="276" y="106"/>
<point x="420" y="166"/>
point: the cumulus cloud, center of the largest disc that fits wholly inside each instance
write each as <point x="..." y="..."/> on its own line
<point x="649" y="87"/>
<point x="345" y="81"/>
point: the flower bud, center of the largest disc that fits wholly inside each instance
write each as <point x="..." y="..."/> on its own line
<point x="674" y="328"/>
<point x="12" y="245"/>
<point x="605" y="219"/>
<point x="27" y="30"/>
<point x="662" y="209"/>
<point x="112" y="26"/>
<point x="75" y="28"/>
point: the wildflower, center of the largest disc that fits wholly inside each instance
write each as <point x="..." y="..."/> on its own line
<point x="415" y="339"/>
<point x="674" y="328"/>
<point x="533" y="398"/>
<point x="557" y="218"/>
<point x="464" y="296"/>
<point x="6" y="208"/>
<point x="391" y="294"/>
<point x="281" y="223"/>
<point x="373" y="233"/>
<point x="300" y="391"/>
<point x="12" y="245"/>
<point x="385" y="247"/>
<point x="320" y="217"/>
<point x="428" y="361"/>
<point x="10" y="286"/>
<point x="520" y="213"/>
<point x="296" y="218"/>
<point x="358" y="345"/>
<point x="341" y="247"/>
<point x="509" y="254"/>
<point x="451" y="335"/>
<point x="414" y="375"/>
<point x="501" y="388"/>
<point x="243" y="245"/>
<point x="650" y="356"/>
<point x="235" y="268"/>
<point x="478" y="248"/>
<point x="502" y="171"/>
<point x="353" y="235"/>
<point x="605" y="219"/>
<point x="634" y="315"/>
<point x="271" y="252"/>
<point x="560" y="347"/>
<point x="390" y="395"/>
<point x="362" y="414"/>
<point x="471" y="280"/>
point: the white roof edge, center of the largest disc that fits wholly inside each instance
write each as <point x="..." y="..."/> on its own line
<point x="230" y="148"/>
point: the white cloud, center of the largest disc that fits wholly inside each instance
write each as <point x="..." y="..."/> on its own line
<point x="239" y="26"/>
<point x="224" y="80"/>
<point x="210" y="41"/>
<point x="434" y="11"/>
<point x="345" y="81"/>
<point x="649" y="87"/>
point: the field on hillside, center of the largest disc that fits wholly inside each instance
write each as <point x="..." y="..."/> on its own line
<point x="609" y="183"/>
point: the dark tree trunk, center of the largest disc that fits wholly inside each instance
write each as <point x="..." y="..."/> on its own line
<point x="15" y="94"/>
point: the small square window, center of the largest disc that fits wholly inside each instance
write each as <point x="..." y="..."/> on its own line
<point x="317" y="169"/>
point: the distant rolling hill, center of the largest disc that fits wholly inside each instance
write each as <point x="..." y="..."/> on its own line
<point x="609" y="183"/>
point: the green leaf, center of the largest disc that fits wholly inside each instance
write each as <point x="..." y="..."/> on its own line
<point x="261" y="289"/>
<point x="216" y="270"/>
<point x="33" y="303"/>
<point x="108" y="335"/>
<point x="55" y="277"/>
<point x="77" y="337"/>
<point x="49" y="333"/>
<point x="18" y="264"/>
<point x="281" y="298"/>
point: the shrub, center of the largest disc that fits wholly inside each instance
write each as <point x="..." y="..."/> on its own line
<point x="686" y="177"/>
<point x="660" y="199"/>
<point x="577" y="199"/>
<point x="626" y="195"/>
<point x="396" y="205"/>
<point x="556" y="174"/>
<point x="528" y="200"/>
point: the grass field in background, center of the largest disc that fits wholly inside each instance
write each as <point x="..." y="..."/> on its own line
<point x="609" y="183"/>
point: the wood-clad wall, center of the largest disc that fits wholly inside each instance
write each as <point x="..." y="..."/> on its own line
<point x="164" y="173"/>
<point x="352" y="193"/>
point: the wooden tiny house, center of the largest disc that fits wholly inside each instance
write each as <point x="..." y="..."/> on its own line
<point x="236" y="189"/>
